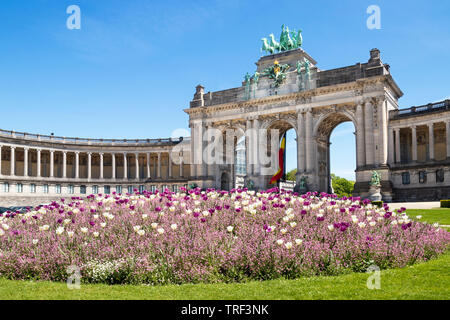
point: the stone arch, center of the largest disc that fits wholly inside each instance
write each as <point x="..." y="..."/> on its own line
<point x="225" y="181"/>
<point x="322" y="131"/>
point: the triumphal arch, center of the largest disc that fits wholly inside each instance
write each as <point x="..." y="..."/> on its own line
<point x="288" y="91"/>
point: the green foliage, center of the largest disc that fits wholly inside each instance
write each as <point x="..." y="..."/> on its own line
<point x="445" y="203"/>
<point x="377" y="203"/>
<point x="341" y="186"/>
<point x="290" y="176"/>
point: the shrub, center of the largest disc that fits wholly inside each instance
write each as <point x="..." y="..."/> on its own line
<point x="445" y="203"/>
<point x="377" y="203"/>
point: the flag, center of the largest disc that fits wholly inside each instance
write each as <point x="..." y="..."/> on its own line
<point x="281" y="161"/>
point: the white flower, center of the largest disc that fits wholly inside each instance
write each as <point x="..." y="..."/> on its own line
<point x="5" y="226"/>
<point x="70" y="234"/>
<point x="283" y="231"/>
<point x="160" y="230"/>
<point x="230" y="228"/>
<point x="84" y="230"/>
<point x="288" y="245"/>
<point x="96" y="234"/>
<point x="154" y="225"/>
<point x="372" y="223"/>
<point x="161" y="213"/>
<point x="2" y="232"/>
<point x="35" y="241"/>
<point x="280" y="242"/>
<point x="144" y="216"/>
<point x="293" y="224"/>
<point x="394" y="222"/>
<point x="419" y="217"/>
<point x="205" y="213"/>
<point x="298" y="241"/>
<point x="103" y="224"/>
<point x="44" y="227"/>
<point x="355" y="219"/>
<point x="132" y="213"/>
<point x="110" y="216"/>
<point x="330" y="227"/>
<point x="172" y="209"/>
<point x="174" y="226"/>
<point x="286" y="218"/>
<point x="136" y="228"/>
<point x="67" y="221"/>
<point x="436" y="225"/>
<point x="59" y="230"/>
<point x="141" y="232"/>
<point x="361" y="225"/>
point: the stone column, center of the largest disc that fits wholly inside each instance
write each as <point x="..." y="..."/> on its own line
<point x="137" y="165"/>
<point x="0" y="160"/>
<point x="431" y="140"/>
<point x="360" y="137"/>
<point x="89" y="165"/>
<point x="309" y="142"/>
<point x="149" y="175"/>
<point x="101" y="165"/>
<point x="397" y="145"/>
<point x="52" y="163"/>
<point x="113" y="157"/>
<point x="301" y="159"/>
<point x="391" y="147"/>
<point x="248" y="148"/>
<point x="382" y="137"/>
<point x="38" y="164"/>
<point x="125" y="169"/>
<point x="414" y="143"/>
<point x="77" y="165"/>
<point x="369" y="133"/>
<point x="13" y="161"/>
<point x="181" y="164"/>
<point x="447" y="128"/>
<point x="159" y="165"/>
<point x="256" y="166"/>
<point x="64" y="164"/>
<point x="25" y="162"/>
<point x="170" y="164"/>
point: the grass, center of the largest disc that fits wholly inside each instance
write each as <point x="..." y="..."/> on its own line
<point x="440" y="215"/>
<point x="430" y="280"/>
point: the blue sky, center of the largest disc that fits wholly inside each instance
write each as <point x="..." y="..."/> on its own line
<point x="133" y="66"/>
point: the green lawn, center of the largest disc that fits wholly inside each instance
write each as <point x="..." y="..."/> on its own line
<point x="440" y="215"/>
<point x="429" y="280"/>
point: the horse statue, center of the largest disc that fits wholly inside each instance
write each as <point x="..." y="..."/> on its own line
<point x="297" y="38"/>
<point x="273" y="43"/>
<point x="289" y="43"/>
<point x="266" y="46"/>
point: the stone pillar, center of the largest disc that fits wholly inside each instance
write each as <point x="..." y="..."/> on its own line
<point x="52" y="163"/>
<point x="148" y="166"/>
<point x="301" y="159"/>
<point x="159" y="165"/>
<point x="137" y="165"/>
<point x="309" y="142"/>
<point x="64" y="164"/>
<point x="256" y="166"/>
<point x="382" y="137"/>
<point x="181" y="164"/>
<point x="414" y="143"/>
<point x="101" y="165"/>
<point x="369" y="133"/>
<point x="77" y="165"/>
<point x="25" y="162"/>
<point x="0" y="160"/>
<point x="248" y="148"/>
<point x="391" y="147"/>
<point x="38" y="164"/>
<point x="170" y="164"/>
<point x="89" y="165"/>
<point x="447" y="130"/>
<point x="431" y="140"/>
<point x="360" y="137"/>
<point x="113" y="157"/>
<point x="125" y="169"/>
<point x="13" y="161"/>
<point x="397" y="145"/>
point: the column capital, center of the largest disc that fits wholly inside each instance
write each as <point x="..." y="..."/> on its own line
<point x="13" y="147"/>
<point x="101" y="154"/>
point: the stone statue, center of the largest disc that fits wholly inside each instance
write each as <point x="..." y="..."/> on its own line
<point x="301" y="186"/>
<point x="273" y="43"/>
<point x="266" y="46"/>
<point x="255" y="77"/>
<point x="247" y="78"/>
<point x="299" y="67"/>
<point x="250" y="184"/>
<point x="376" y="179"/>
<point x="277" y="72"/>
<point x="288" y="40"/>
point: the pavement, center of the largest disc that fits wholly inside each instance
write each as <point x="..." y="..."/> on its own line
<point x="414" y="205"/>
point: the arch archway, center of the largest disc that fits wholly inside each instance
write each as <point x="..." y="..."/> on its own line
<point x="225" y="181"/>
<point x="326" y="124"/>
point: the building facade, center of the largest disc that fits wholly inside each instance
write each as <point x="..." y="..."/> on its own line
<point x="409" y="148"/>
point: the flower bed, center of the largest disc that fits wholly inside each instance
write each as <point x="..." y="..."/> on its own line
<point x="212" y="236"/>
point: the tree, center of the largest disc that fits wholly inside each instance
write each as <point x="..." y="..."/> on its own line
<point x="341" y="186"/>
<point x="290" y="176"/>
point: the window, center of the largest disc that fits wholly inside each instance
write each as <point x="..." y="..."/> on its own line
<point x="164" y="187"/>
<point x="19" y="188"/>
<point x="83" y="189"/>
<point x="130" y="189"/>
<point x="405" y="178"/>
<point x="6" y="187"/>
<point x="422" y="176"/>
<point x="175" y="188"/>
<point x="153" y="188"/>
<point x="141" y="189"/>
<point x="107" y="189"/>
<point x="58" y="188"/>
<point x="70" y="189"/>
<point x="45" y="188"/>
<point x="95" y="189"/>
<point x="440" y="175"/>
<point x="119" y="189"/>
<point x="32" y="188"/>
